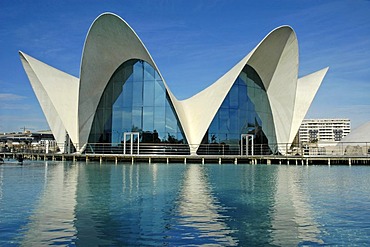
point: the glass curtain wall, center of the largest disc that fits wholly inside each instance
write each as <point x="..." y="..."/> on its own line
<point x="245" y="110"/>
<point x="135" y="100"/>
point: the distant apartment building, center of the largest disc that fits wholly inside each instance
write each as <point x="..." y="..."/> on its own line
<point x="323" y="130"/>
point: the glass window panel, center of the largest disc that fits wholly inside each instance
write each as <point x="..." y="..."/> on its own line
<point x="149" y="72"/>
<point x="126" y="119"/>
<point x="107" y="121"/>
<point x="233" y="119"/>
<point x="214" y="127"/>
<point x="137" y="94"/>
<point x="148" y="93"/>
<point x="224" y="121"/>
<point x="160" y="119"/>
<point x="171" y="122"/>
<point x="138" y="72"/>
<point x="148" y="119"/>
<point x="234" y="96"/>
<point x="160" y="94"/>
<point x="136" y="118"/>
<point x="127" y="95"/>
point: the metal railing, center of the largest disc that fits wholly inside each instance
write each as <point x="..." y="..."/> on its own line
<point x="286" y="149"/>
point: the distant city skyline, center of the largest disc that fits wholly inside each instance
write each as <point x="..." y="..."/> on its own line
<point x="193" y="44"/>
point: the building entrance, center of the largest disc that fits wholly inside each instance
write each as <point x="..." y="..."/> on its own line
<point x="131" y="143"/>
<point x="245" y="141"/>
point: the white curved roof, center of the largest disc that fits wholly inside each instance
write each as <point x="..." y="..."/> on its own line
<point x="111" y="42"/>
<point x="361" y="135"/>
<point x="57" y="93"/>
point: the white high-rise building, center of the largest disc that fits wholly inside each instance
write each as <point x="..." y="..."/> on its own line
<point x="324" y="130"/>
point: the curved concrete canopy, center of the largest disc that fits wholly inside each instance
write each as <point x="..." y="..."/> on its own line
<point x="275" y="59"/>
<point x="111" y="42"/>
<point x="57" y="93"/>
<point x="359" y="136"/>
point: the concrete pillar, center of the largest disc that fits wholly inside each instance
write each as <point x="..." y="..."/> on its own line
<point x="329" y="162"/>
<point x="150" y="160"/>
<point x="115" y="160"/>
<point x="167" y="160"/>
<point x="202" y="161"/>
<point x="349" y="162"/>
<point x="236" y="161"/>
<point x="101" y="159"/>
<point x="185" y="161"/>
<point x="219" y="161"/>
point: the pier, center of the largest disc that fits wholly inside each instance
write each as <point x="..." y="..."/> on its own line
<point x="198" y="159"/>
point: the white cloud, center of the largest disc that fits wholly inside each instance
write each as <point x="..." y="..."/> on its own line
<point x="10" y="97"/>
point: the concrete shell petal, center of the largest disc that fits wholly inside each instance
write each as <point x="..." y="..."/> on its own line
<point x="109" y="43"/>
<point x="307" y="88"/>
<point x="56" y="92"/>
<point x="276" y="61"/>
<point x="359" y="136"/>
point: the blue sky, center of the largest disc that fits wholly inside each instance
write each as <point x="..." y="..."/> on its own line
<point x="193" y="42"/>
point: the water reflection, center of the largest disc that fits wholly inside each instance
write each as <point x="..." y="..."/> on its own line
<point x="1" y="182"/>
<point x="293" y="222"/>
<point x="52" y="221"/>
<point x="199" y="213"/>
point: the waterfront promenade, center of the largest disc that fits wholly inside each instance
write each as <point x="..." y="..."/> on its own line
<point x="201" y="159"/>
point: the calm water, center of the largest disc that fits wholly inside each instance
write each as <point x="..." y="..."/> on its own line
<point x="61" y="203"/>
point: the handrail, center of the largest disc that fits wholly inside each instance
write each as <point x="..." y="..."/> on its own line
<point x="287" y="149"/>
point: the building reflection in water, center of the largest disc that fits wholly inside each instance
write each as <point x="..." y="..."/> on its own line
<point x="128" y="205"/>
<point x="199" y="213"/>
<point x="293" y="221"/>
<point x="1" y="182"/>
<point x="52" y="221"/>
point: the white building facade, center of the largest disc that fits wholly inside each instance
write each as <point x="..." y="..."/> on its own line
<point x="324" y="130"/>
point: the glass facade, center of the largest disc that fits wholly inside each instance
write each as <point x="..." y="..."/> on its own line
<point x="135" y="100"/>
<point x="245" y="110"/>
